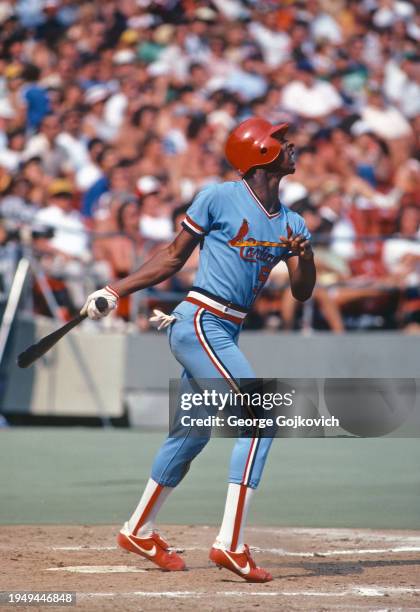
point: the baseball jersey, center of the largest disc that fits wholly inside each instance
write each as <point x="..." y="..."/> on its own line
<point x="241" y="239"/>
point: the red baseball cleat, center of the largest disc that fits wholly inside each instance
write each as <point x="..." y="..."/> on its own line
<point x="240" y="563"/>
<point x="153" y="548"/>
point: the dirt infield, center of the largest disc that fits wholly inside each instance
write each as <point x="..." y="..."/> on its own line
<point x="314" y="569"/>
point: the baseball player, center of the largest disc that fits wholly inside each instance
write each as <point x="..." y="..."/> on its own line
<point x="244" y="231"/>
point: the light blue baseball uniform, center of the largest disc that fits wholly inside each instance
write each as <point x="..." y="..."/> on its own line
<point x="235" y="262"/>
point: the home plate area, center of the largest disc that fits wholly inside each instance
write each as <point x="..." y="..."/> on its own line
<point x="313" y="569"/>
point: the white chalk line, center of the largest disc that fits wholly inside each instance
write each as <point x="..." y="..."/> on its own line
<point x="336" y="553"/>
<point x="367" y="535"/>
<point x="98" y="569"/>
<point x="402" y="543"/>
<point x="281" y="552"/>
<point x="360" y="591"/>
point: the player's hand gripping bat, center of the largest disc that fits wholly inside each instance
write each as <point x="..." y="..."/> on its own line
<point x="35" y="351"/>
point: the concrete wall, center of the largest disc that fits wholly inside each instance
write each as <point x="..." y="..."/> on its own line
<point x="83" y="375"/>
<point x="290" y="355"/>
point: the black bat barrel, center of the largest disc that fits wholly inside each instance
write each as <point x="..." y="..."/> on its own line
<point x="35" y="351"/>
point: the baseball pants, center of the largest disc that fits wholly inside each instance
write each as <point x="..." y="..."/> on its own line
<point x="206" y="345"/>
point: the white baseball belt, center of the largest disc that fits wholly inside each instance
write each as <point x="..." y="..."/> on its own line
<point x="204" y="300"/>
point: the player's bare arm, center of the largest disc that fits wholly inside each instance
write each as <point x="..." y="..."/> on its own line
<point x="161" y="266"/>
<point x="302" y="271"/>
<point x="158" y="268"/>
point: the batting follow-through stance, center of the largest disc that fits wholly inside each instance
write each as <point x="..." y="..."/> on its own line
<point x="244" y="231"/>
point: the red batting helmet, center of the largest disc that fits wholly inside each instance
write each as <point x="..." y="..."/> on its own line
<point x="251" y="144"/>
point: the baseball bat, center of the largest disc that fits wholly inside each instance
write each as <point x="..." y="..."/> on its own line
<point x="35" y="351"/>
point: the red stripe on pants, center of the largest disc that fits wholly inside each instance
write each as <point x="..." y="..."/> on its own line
<point x="251" y="448"/>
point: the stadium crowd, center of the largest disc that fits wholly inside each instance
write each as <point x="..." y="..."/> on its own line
<point x="114" y="114"/>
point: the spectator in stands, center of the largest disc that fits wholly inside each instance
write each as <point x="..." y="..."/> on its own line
<point x="155" y="222"/>
<point x="96" y="124"/>
<point x="70" y="239"/>
<point x="388" y="123"/>
<point x="44" y="145"/>
<point x="105" y="93"/>
<point x="73" y="142"/>
<point x="402" y="258"/>
<point x="90" y="172"/>
<point x="35" y="96"/>
<point x="64" y="253"/>
<point x="12" y="156"/>
<point x="135" y="129"/>
<point x="329" y="269"/>
<point x="402" y="84"/>
<point x="124" y="249"/>
<point x="16" y="207"/>
<point x="106" y="159"/>
<point x="309" y="97"/>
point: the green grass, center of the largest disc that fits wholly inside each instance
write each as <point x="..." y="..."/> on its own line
<point x="94" y="476"/>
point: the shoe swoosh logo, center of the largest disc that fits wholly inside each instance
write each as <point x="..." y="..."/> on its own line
<point x="244" y="570"/>
<point x="150" y="552"/>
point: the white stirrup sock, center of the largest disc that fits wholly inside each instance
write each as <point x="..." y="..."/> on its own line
<point x="142" y="521"/>
<point x="231" y="534"/>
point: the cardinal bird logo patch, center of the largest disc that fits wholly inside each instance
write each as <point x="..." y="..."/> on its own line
<point x="240" y="241"/>
<point x="256" y="250"/>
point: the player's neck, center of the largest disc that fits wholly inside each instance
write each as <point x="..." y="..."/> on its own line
<point x="266" y="188"/>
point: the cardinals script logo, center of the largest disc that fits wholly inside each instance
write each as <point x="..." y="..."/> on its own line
<point x="257" y="250"/>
